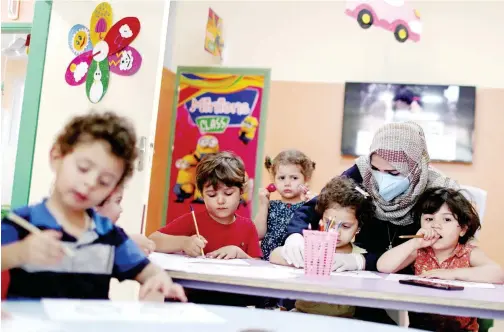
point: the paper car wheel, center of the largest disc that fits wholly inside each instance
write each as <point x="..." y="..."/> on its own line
<point x="365" y="19"/>
<point x="401" y="33"/>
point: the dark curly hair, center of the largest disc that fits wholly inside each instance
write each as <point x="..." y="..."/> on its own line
<point x="117" y="131"/>
<point x="464" y="212"/>
<point x="345" y="193"/>
<point x="291" y="157"/>
<point x="221" y="167"/>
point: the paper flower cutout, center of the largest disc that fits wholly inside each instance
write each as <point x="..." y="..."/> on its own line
<point x="101" y="50"/>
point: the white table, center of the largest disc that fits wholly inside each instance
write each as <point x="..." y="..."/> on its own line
<point x="232" y="319"/>
<point x="374" y="293"/>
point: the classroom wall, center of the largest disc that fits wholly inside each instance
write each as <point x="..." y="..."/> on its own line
<point x="313" y="48"/>
<point x="314" y="41"/>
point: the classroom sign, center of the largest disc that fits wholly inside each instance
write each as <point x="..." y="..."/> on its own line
<point x="217" y="109"/>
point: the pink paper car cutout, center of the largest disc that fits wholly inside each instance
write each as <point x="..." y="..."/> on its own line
<point x="392" y="15"/>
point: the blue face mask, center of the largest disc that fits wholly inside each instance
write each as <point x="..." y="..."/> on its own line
<point x="390" y="186"/>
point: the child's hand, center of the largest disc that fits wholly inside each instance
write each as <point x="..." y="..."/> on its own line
<point x="163" y="284"/>
<point x="447" y="274"/>
<point x="227" y="252"/>
<point x="430" y="236"/>
<point x="44" y="248"/>
<point x="264" y="196"/>
<point x="193" y="245"/>
<point x="147" y="245"/>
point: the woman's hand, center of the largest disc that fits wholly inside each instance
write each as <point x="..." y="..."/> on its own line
<point x="308" y="196"/>
<point x="348" y="262"/>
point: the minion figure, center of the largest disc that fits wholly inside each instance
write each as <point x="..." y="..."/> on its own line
<point x="248" y="129"/>
<point x="248" y="190"/>
<point x="186" y="177"/>
<point x="207" y="144"/>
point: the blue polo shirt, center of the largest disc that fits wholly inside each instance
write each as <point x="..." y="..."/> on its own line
<point x="103" y="252"/>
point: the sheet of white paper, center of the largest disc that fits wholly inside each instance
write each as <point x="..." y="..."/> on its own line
<point x="357" y="274"/>
<point x="83" y="310"/>
<point x="232" y="267"/>
<point x="255" y="272"/>
<point x="177" y="262"/>
<point x="220" y="261"/>
<point x="397" y="277"/>
<point x="18" y="323"/>
<point x="352" y="274"/>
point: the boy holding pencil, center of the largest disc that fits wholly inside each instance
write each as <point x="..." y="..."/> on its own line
<point x="61" y="248"/>
<point x="217" y="232"/>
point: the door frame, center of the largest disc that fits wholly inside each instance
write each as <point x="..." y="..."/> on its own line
<point x="39" y="30"/>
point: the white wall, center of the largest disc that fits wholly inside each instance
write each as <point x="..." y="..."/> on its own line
<point x="170" y="38"/>
<point x="316" y="41"/>
<point x="187" y="33"/>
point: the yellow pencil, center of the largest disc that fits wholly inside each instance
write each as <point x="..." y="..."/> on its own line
<point x="419" y="236"/>
<point x="21" y="222"/>
<point x="196" y="226"/>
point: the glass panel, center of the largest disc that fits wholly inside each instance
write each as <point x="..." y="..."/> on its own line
<point x="14" y="65"/>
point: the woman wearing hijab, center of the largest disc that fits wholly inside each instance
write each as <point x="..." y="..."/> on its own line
<point x="395" y="174"/>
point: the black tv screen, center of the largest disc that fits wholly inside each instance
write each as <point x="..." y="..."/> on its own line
<point x="445" y="112"/>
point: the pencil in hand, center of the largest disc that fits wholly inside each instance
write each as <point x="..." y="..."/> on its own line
<point x="418" y="236"/>
<point x="196" y="227"/>
<point x="21" y="222"/>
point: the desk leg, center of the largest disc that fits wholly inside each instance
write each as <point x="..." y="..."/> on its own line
<point x="399" y="316"/>
<point x="403" y="318"/>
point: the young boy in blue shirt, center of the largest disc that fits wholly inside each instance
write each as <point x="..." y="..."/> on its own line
<point x="93" y="155"/>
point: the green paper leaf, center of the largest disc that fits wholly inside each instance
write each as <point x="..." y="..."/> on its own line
<point x="97" y="80"/>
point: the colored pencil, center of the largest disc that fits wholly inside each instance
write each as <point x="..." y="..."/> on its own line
<point x="196" y="226"/>
<point x="419" y="236"/>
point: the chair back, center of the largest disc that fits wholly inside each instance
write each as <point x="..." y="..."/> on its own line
<point x="478" y="197"/>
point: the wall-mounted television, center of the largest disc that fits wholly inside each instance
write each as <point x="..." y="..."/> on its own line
<point x="445" y="112"/>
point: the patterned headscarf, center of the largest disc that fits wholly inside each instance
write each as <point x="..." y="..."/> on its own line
<point x="403" y="146"/>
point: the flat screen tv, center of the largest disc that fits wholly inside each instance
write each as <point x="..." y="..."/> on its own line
<point x="445" y="112"/>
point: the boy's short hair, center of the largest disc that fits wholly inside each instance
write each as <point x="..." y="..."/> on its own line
<point x="108" y="127"/>
<point x="345" y="193"/>
<point x="221" y="167"/>
<point x="464" y="212"/>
